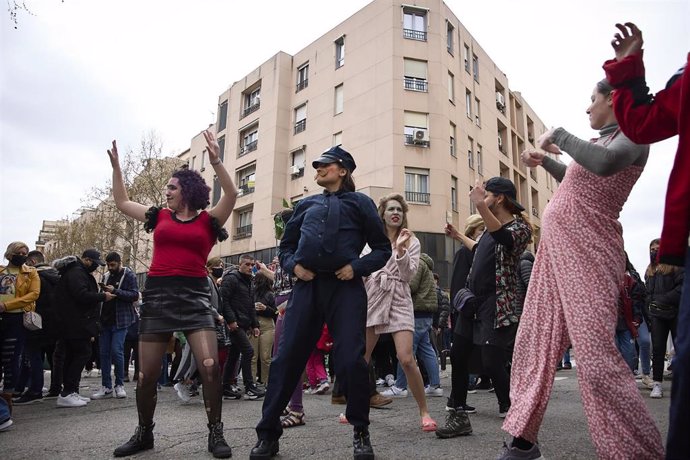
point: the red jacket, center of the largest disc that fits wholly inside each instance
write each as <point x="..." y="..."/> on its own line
<point x="646" y="119"/>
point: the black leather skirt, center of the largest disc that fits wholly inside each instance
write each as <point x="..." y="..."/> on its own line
<point x="175" y="303"/>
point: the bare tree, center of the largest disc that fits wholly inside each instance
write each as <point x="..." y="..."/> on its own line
<point x="15" y="8"/>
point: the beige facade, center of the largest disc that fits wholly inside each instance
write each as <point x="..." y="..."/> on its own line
<point x="408" y="92"/>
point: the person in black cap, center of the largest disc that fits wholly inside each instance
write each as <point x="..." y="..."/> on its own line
<point x="79" y="300"/>
<point x="488" y="319"/>
<point x="321" y="247"/>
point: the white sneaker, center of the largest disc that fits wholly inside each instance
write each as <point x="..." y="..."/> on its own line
<point x="390" y="380"/>
<point x="120" y="391"/>
<point x="102" y="393"/>
<point x="86" y="399"/>
<point x="433" y="391"/>
<point x="182" y="392"/>
<point x="71" y="400"/>
<point x="395" y="392"/>
<point x="322" y="388"/>
<point x="657" y="392"/>
<point x="647" y="381"/>
<point x="87" y="374"/>
<point x="4" y="426"/>
<point x="380" y="382"/>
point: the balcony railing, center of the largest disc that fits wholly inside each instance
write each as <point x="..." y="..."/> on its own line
<point x="246" y="148"/>
<point x="535" y="211"/>
<point x="251" y="109"/>
<point x="417" y="197"/>
<point x="300" y="126"/>
<point x="414" y="34"/>
<point x="414" y="84"/>
<point x="302" y="84"/>
<point x="246" y="190"/>
<point x="411" y="140"/>
<point x="243" y="232"/>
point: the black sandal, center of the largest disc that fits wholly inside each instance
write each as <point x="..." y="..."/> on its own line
<point x="292" y="419"/>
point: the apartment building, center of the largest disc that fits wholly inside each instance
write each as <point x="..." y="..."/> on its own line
<point x="408" y="92"/>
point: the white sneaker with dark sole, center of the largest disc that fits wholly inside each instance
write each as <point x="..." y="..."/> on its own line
<point x="657" y="392"/>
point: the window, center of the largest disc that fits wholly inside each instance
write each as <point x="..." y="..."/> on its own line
<point x="451" y="87"/>
<point x="223" y="116"/>
<point x="475" y="67"/>
<point x="192" y="163"/>
<point x="416" y="129"/>
<point x="338" y="138"/>
<point x="340" y="52"/>
<point x="339" y="99"/>
<point x="450" y="30"/>
<point x="244" y="223"/>
<point x="203" y="161"/>
<point x="466" y="57"/>
<point x="221" y="145"/>
<point x="453" y="147"/>
<point x="216" y="191"/>
<point x="249" y="139"/>
<point x="300" y="118"/>
<point x="297" y="163"/>
<point x="473" y="207"/>
<point x="480" y="160"/>
<point x="246" y="179"/>
<point x="252" y="100"/>
<point x="414" y="24"/>
<point x="454" y="193"/>
<point x="417" y="185"/>
<point x="468" y="103"/>
<point x="477" y="113"/>
<point x="470" y="153"/>
<point x="302" y="77"/>
<point x="416" y="75"/>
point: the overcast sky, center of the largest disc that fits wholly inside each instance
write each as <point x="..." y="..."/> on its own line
<point x="79" y="73"/>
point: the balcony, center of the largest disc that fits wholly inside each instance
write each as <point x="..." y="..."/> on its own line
<point x="302" y="84"/>
<point x="245" y="190"/>
<point x="418" y="197"/>
<point x="300" y="126"/>
<point x="251" y="109"/>
<point x="416" y="141"/>
<point x="242" y="232"/>
<point x="246" y="148"/>
<point x="414" y="84"/>
<point x="412" y="34"/>
<point x="535" y="211"/>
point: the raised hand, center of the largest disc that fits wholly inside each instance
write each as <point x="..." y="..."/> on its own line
<point x="545" y="142"/>
<point x="477" y="193"/>
<point x="114" y="156"/>
<point x="629" y="43"/>
<point x="532" y="158"/>
<point x="213" y="147"/>
<point x="451" y="231"/>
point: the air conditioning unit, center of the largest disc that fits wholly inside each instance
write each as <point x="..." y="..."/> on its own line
<point x="500" y="101"/>
<point x="420" y="137"/>
<point x="295" y="170"/>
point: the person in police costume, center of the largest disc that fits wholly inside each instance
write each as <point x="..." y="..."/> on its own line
<point x="321" y="247"/>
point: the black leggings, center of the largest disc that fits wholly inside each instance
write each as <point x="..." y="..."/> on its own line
<point x="659" y="330"/>
<point x="152" y="347"/>
<point x="493" y="363"/>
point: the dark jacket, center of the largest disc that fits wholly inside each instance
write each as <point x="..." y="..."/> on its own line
<point x="77" y="299"/>
<point x="524" y="274"/>
<point x="45" y="305"/>
<point x="441" y="315"/>
<point x="127" y="292"/>
<point x="238" y="300"/>
<point x="266" y="297"/>
<point x="665" y="289"/>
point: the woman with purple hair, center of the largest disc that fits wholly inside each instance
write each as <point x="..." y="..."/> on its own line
<point x="177" y="295"/>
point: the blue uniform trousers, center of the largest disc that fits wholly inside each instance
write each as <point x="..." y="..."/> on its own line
<point x="343" y="306"/>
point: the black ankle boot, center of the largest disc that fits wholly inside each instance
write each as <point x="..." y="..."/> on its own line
<point x="264" y="449"/>
<point x="216" y="441"/>
<point x="142" y="440"/>
<point x="362" y="444"/>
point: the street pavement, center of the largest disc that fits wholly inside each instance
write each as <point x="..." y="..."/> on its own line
<point x="42" y="430"/>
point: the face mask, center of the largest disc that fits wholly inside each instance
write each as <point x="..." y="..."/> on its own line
<point x="217" y="272"/>
<point x="652" y="256"/>
<point x="18" y="260"/>
<point x="92" y="268"/>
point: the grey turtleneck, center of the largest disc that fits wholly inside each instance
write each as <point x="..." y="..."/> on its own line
<point x="602" y="160"/>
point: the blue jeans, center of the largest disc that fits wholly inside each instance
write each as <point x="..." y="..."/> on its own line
<point x="566" y="356"/>
<point x="112" y="344"/>
<point x="626" y="345"/>
<point x="31" y="371"/>
<point x="4" y="411"/>
<point x="644" y="341"/>
<point x="678" y="442"/>
<point x="422" y="343"/>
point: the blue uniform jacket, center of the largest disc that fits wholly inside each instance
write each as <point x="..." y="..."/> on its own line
<point x="360" y="224"/>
